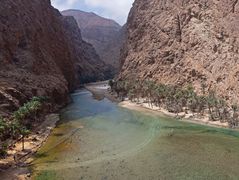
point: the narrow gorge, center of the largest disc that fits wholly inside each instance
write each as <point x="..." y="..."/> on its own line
<point x="42" y="54"/>
<point x="85" y="94"/>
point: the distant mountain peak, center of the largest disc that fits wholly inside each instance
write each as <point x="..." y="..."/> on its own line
<point x="104" y="34"/>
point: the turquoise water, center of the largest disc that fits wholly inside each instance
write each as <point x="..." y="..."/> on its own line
<point x="97" y="139"/>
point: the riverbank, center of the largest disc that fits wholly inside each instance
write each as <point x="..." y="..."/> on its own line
<point x="117" y="143"/>
<point x="192" y="118"/>
<point x="15" y="166"/>
<point x="102" y="89"/>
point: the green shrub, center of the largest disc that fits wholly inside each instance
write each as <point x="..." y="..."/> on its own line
<point x="16" y="125"/>
<point x="3" y="127"/>
<point x="29" y="108"/>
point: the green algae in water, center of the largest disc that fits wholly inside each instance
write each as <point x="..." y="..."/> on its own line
<point x="46" y="175"/>
<point x="117" y="143"/>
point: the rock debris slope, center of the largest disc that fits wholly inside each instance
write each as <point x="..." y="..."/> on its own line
<point x="184" y="42"/>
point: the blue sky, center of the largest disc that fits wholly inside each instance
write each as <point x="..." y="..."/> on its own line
<point x="113" y="9"/>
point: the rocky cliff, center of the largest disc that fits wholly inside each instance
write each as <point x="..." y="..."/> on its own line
<point x="38" y="56"/>
<point x="184" y="42"/>
<point x="35" y="57"/>
<point x="104" y="34"/>
<point x="89" y="66"/>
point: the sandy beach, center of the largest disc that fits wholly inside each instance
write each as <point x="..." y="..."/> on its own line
<point x="144" y="107"/>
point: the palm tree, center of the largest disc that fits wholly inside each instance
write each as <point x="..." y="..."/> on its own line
<point x="220" y="107"/>
<point x="202" y="101"/>
<point x="131" y="94"/>
<point x="178" y="99"/>
<point x="212" y="103"/>
<point x="24" y="132"/>
<point x="138" y="89"/>
<point x="14" y="126"/>
<point x="192" y="100"/>
<point x="226" y="113"/>
<point x="159" y="94"/>
<point x="234" y="121"/>
<point x="147" y="91"/>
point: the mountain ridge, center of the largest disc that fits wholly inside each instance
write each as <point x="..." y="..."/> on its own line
<point x="102" y="33"/>
<point x="93" y="14"/>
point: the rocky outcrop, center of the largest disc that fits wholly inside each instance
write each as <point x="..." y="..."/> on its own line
<point x="184" y="42"/>
<point x="104" y="34"/>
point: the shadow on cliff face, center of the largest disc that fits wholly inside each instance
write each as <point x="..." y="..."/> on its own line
<point x="35" y="56"/>
<point x="106" y="74"/>
<point x="89" y="66"/>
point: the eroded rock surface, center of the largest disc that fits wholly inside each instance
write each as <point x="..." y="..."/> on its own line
<point x="184" y="42"/>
